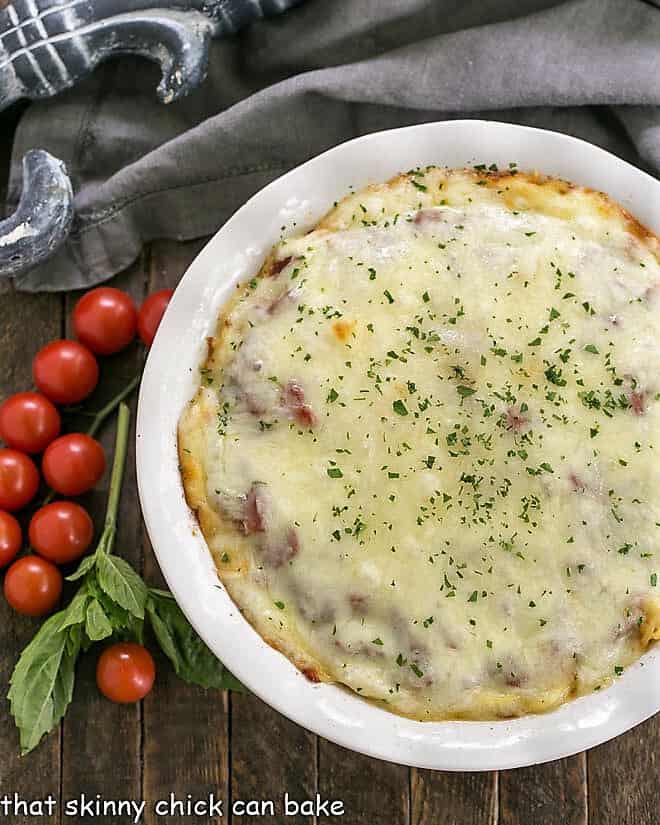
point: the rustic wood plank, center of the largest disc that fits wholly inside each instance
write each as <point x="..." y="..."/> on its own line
<point x="372" y="791"/>
<point x="270" y="756"/>
<point x="186" y="729"/>
<point x="552" y="794"/>
<point x="26" y="323"/>
<point x="623" y="774"/>
<point x="102" y="741"/>
<point x="455" y="798"/>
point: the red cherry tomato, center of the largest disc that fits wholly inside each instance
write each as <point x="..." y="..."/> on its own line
<point x="33" y="586"/>
<point x="11" y="538"/>
<point x="73" y="464"/>
<point x="105" y="320"/>
<point x="151" y="313"/>
<point x="125" y="673"/>
<point x="29" y="422"/>
<point x="65" y="371"/>
<point x="61" y="532"/>
<point x="19" y="480"/>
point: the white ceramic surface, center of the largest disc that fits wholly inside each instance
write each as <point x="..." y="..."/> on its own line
<point x="297" y="200"/>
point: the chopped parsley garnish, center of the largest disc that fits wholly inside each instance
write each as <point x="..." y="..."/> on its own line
<point x="464" y="391"/>
<point x="554" y="376"/>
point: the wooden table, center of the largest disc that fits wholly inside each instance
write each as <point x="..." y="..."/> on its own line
<point x="184" y="741"/>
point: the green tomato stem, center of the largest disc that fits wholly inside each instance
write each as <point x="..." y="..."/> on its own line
<point x="118" y="465"/>
<point x="111" y="406"/>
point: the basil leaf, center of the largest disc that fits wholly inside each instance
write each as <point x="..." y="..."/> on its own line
<point x="119" y="581"/>
<point x="77" y="639"/>
<point x="75" y="612"/>
<point x="83" y="568"/>
<point x="97" y="624"/>
<point x="41" y="685"/>
<point x="191" y="658"/>
<point x="63" y="689"/>
<point x="124" y="624"/>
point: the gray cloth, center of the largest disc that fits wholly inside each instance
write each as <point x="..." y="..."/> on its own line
<point x="288" y="88"/>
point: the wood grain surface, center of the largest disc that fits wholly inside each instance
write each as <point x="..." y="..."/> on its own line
<point x="191" y="743"/>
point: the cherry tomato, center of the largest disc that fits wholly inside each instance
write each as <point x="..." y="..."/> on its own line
<point x="151" y="313"/>
<point x="73" y="464"/>
<point x="11" y="538"/>
<point x="29" y="422"/>
<point x="19" y="480"/>
<point x="105" y="320"/>
<point x="65" y="371"/>
<point x="33" y="586"/>
<point x="125" y="673"/>
<point x="61" y="532"/>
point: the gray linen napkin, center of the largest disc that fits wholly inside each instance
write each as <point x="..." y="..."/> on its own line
<point x="288" y="88"/>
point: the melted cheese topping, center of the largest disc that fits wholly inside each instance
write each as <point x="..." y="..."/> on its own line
<point x="424" y="448"/>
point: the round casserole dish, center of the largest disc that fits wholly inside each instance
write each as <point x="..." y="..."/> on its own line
<point x="300" y="198"/>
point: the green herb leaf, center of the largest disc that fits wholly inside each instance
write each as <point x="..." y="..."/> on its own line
<point x="83" y="568"/>
<point x="399" y="407"/>
<point x="75" y="612"/>
<point x="464" y="392"/>
<point x="191" y="658"/>
<point x="97" y="624"/>
<point x="554" y="376"/>
<point x="42" y="681"/>
<point x="122" y="584"/>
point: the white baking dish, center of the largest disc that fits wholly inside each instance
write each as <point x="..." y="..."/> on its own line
<point x="297" y="200"/>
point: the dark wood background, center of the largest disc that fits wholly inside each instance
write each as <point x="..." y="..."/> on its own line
<point x="183" y="740"/>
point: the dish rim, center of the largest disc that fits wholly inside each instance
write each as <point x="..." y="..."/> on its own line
<point x="328" y="710"/>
